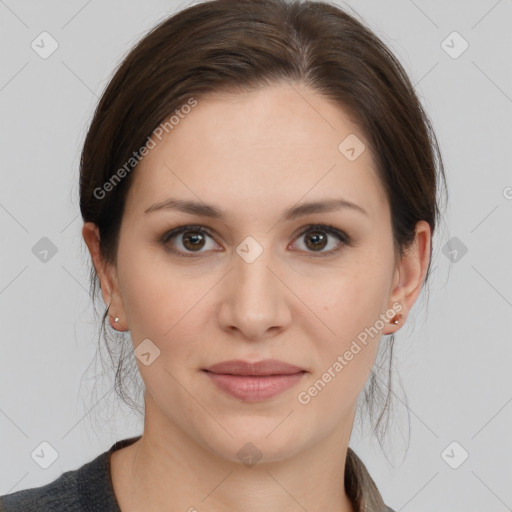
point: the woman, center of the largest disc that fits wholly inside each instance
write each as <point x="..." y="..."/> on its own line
<point x="259" y="193"/>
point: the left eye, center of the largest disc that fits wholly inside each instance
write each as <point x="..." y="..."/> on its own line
<point x="194" y="239"/>
<point x="318" y="238"/>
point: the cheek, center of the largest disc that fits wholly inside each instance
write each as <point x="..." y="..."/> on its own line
<point x="354" y="299"/>
<point x="350" y="305"/>
<point x="160" y="298"/>
<point x="347" y="350"/>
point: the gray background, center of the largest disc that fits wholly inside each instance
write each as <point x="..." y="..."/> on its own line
<point x="453" y="355"/>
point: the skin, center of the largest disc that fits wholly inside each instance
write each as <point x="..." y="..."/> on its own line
<point x="252" y="155"/>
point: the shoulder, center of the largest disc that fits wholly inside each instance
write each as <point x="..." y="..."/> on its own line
<point x="86" y="489"/>
<point x="61" y="494"/>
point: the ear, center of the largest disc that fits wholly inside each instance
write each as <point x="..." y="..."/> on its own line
<point x="410" y="274"/>
<point x="107" y="275"/>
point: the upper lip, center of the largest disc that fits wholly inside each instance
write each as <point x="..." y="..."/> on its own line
<point x="265" y="367"/>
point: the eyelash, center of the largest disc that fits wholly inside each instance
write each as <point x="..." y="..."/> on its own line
<point x="341" y="235"/>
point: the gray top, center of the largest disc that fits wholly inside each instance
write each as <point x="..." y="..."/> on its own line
<point x="86" y="489"/>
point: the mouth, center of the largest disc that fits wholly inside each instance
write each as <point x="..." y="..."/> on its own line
<point x="254" y="382"/>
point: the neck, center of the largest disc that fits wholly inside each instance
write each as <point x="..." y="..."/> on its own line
<point x="168" y="466"/>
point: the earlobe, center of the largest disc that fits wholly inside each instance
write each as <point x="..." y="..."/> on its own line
<point x="410" y="274"/>
<point x="109" y="291"/>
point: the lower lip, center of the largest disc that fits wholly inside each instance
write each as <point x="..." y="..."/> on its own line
<point x="254" y="388"/>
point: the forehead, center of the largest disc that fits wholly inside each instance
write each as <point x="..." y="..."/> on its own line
<point x="271" y="146"/>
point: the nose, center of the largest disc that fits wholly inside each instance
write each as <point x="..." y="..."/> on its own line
<point x="255" y="298"/>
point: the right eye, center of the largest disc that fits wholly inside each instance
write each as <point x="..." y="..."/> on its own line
<point x="193" y="239"/>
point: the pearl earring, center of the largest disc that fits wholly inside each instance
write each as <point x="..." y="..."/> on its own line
<point x="396" y="320"/>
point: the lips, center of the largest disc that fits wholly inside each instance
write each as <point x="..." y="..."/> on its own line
<point x="266" y="367"/>
<point x="254" y="382"/>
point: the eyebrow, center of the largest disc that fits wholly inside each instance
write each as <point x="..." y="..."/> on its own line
<point x="205" y="210"/>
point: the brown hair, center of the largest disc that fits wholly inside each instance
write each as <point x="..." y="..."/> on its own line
<point x="241" y="45"/>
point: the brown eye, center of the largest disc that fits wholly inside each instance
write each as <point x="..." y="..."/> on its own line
<point x="316" y="240"/>
<point x="192" y="240"/>
<point x="318" y="237"/>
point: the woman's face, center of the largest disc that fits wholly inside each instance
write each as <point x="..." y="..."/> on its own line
<point x="253" y="282"/>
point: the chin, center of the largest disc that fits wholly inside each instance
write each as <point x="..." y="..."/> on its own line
<point x="263" y="441"/>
